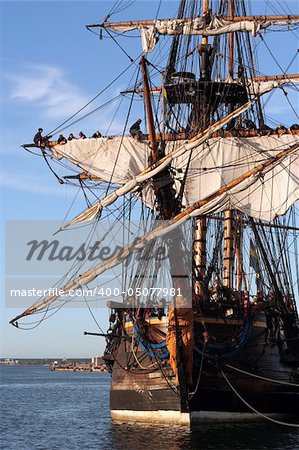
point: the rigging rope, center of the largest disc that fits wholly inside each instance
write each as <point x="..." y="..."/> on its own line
<point x="122" y="49"/>
<point x="55" y="130"/>
<point x="93" y="316"/>
<point x="135" y="356"/>
<point x="60" y="181"/>
<point x="261" y="377"/>
<point x="288" y="100"/>
<point x="191" y="394"/>
<point x="279" y="422"/>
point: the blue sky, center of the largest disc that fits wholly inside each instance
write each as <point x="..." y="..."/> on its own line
<point x="50" y="67"/>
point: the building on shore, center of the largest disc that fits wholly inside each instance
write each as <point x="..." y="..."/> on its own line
<point x="8" y="362"/>
<point x="96" y="364"/>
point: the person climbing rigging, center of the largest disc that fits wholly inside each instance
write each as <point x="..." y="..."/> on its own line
<point x="294" y="129"/>
<point x="280" y="130"/>
<point x="38" y="138"/>
<point x="96" y="135"/>
<point x="61" y="139"/>
<point x="135" y="130"/>
<point x="265" y="130"/>
<point x="249" y="124"/>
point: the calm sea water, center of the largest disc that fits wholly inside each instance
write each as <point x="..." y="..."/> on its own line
<point x="44" y="410"/>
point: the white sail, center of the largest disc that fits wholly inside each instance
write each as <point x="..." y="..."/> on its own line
<point x="261" y="87"/>
<point x="113" y="159"/>
<point x="220" y="199"/>
<point x="213" y="165"/>
<point x="122" y="159"/>
<point x="219" y="161"/>
<point x="199" y="26"/>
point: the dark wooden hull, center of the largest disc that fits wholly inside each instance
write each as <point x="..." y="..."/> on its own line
<point x="142" y="395"/>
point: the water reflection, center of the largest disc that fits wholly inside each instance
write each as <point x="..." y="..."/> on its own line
<point x="204" y="437"/>
<point x="47" y="410"/>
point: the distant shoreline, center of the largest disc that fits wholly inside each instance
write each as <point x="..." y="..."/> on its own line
<point x="39" y="361"/>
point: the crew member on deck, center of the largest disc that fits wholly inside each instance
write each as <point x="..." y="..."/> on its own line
<point x="71" y="137"/>
<point x="135" y="130"/>
<point x="81" y="135"/>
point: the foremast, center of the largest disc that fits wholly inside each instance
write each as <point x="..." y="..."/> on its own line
<point x="167" y="207"/>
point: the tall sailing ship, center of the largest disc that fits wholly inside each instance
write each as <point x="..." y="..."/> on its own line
<point x="210" y="330"/>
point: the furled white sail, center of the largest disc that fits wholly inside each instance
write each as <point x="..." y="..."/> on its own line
<point x="221" y="160"/>
<point x="199" y="26"/>
<point x="232" y="193"/>
<point x="123" y="160"/>
<point x="213" y="165"/>
<point x="261" y="87"/>
<point x="115" y="160"/>
<point x="94" y="156"/>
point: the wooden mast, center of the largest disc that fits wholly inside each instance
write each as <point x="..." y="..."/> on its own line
<point x="200" y="253"/>
<point x="167" y="202"/>
<point x="205" y="8"/>
<point x="239" y="263"/>
<point x="163" y="105"/>
<point x="241" y="277"/>
<point x="204" y="51"/>
<point x="231" y="43"/>
<point x="200" y="227"/>
<point x="228" y="255"/>
<point x="149" y="112"/>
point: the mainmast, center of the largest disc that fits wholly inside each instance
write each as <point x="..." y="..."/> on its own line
<point x="240" y="275"/>
<point x="228" y="254"/>
<point x="204" y="49"/>
<point x="231" y="43"/>
<point x="200" y="226"/>
<point x="174" y="46"/>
